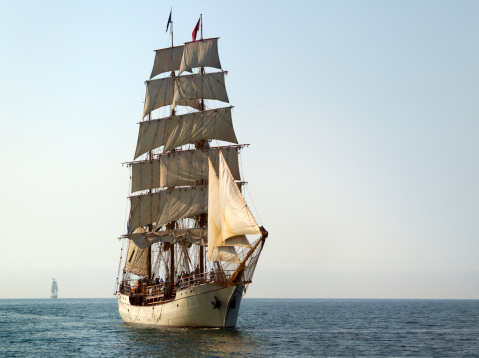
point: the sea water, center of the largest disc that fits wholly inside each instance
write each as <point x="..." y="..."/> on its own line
<point x="266" y="328"/>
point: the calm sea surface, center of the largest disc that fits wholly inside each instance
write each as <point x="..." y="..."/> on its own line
<point x="266" y="327"/>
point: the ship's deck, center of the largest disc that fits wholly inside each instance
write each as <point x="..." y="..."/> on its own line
<point x="144" y="293"/>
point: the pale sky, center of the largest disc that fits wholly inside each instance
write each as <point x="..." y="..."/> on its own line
<point x="363" y="120"/>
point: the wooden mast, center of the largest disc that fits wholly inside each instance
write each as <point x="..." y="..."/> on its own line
<point x="150" y="226"/>
<point x="202" y="144"/>
<point x="171" y="226"/>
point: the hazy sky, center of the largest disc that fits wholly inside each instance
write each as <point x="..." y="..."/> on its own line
<point x="363" y="120"/>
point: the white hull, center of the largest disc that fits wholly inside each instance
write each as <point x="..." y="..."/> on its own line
<point x="192" y="307"/>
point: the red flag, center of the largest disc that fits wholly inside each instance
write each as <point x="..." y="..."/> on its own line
<point x="195" y="30"/>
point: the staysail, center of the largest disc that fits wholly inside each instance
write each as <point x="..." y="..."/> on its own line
<point x="228" y="213"/>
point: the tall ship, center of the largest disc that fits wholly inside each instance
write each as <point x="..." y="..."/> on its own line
<point x="186" y="260"/>
<point x="54" y="289"/>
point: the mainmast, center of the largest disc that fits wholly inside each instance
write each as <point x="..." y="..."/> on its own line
<point x="150" y="226"/>
<point x="171" y="225"/>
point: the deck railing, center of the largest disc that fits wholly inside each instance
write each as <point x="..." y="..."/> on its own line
<point x="163" y="291"/>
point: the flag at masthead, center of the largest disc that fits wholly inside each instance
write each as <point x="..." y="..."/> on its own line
<point x="195" y="30"/>
<point x="169" y="21"/>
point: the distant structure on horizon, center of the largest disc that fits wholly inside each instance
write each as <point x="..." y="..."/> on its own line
<point x="54" y="289"/>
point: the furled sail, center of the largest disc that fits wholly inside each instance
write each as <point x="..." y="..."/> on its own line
<point x="159" y="93"/>
<point x="167" y="60"/>
<point x="202" y="53"/>
<point x="206" y="86"/>
<point x="136" y="259"/>
<point x="181" y="168"/>
<point x="228" y="213"/>
<point x="168" y="205"/>
<point x="175" y="131"/>
<point x="193" y="236"/>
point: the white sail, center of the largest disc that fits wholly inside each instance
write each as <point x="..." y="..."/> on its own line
<point x="239" y="240"/>
<point x="168" y="205"/>
<point x="175" y="131"/>
<point x="202" y="53"/>
<point x="180" y="168"/>
<point x="145" y="175"/>
<point x="159" y="93"/>
<point x="167" y="60"/>
<point x="206" y="86"/>
<point x="223" y="253"/>
<point x="136" y="259"/>
<point x="184" y="168"/>
<point x="193" y="236"/>
<point x="228" y="213"/>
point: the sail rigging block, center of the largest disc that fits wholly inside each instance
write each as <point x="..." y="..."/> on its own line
<point x="175" y="131"/>
<point x="181" y="168"/>
<point x="202" y="53"/>
<point x="167" y="205"/>
<point x="228" y="213"/>
<point x="167" y="60"/>
<point x="206" y="86"/>
<point x="159" y="93"/>
<point x="193" y="236"/>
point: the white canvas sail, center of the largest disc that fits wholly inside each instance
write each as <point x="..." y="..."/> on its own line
<point x="168" y="205"/>
<point x="184" y="168"/>
<point x="167" y="60"/>
<point x="206" y="86"/>
<point x="202" y="53"/>
<point x="223" y="253"/>
<point x="180" y="168"/>
<point x="136" y="259"/>
<point x="159" y="93"/>
<point x="175" y="131"/>
<point x="240" y="241"/>
<point x="228" y="213"/>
